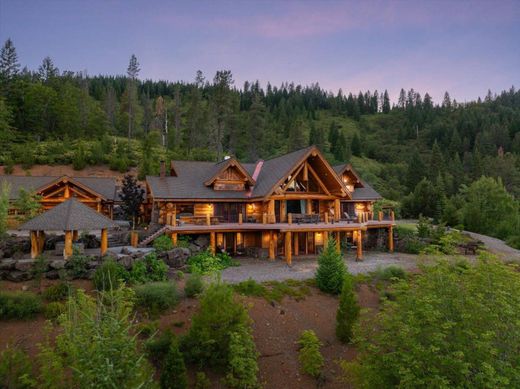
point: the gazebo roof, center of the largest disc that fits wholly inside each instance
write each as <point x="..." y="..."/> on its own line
<point x="70" y="215"/>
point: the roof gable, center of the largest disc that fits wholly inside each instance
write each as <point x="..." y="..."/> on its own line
<point x="230" y="176"/>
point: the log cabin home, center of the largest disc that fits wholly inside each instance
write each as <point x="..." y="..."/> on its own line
<point x="285" y="206"/>
<point x="99" y="193"/>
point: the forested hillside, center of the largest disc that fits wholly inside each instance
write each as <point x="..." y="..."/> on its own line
<point x="427" y="155"/>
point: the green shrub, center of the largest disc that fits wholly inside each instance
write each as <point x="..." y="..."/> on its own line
<point x="194" y="285"/>
<point x="450" y="326"/>
<point x="109" y="275"/>
<point x="15" y="369"/>
<point x="207" y="342"/>
<point x="242" y="365"/>
<point x="53" y="310"/>
<point x="156" y="297"/>
<point x="348" y="310"/>
<point x="57" y="292"/>
<point x="205" y="262"/>
<point x="19" y="305"/>
<point x="202" y="381"/>
<point x="331" y="269"/>
<point x="179" y="275"/>
<point x="389" y="273"/>
<point x="173" y="375"/>
<point x="163" y="243"/>
<point x="150" y="268"/>
<point x="147" y="329"/>
<point x="158" y="346"/>
<point x="77" y="265"/>
<point x="277" y="290"/>
<point x="250" y="288"/>
<point x="310" y="358"/>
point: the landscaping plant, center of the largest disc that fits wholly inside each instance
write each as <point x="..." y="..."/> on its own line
<point x="310" y="358"/>
<point x="331" y="269"/>
<point x="156" y="297"/>
<point x="173" y="375"/>
<point x="194" y="285"/>
<point x="348" y="310"/>
<point x="452" y="325"/>
<point x="57" y="292"/>
<point x="242" y="365"/>
<point x="110" y="275"/>
<point x="162" y="243"/>
<point x="19" y="305"/>
<point x="15" y="369"/>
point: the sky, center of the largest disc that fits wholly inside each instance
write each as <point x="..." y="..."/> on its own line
<point x="464" y="47"/>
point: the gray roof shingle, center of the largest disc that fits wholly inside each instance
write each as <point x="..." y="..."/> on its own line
<point x="366" y="192"/>
<point x="71" y="215"/>
<point x="105" y="186"/>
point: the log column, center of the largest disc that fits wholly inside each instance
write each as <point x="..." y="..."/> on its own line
<point x="337" y="210"/>
<point x="338" y="241"/>
<point x="34" y="244"/>
<point x="359" y="246"/>
<point x="271" y="246"/>
<point x="75" y="235"/>
<point x="104" y="241"/>
<point x="391" y="239"/>
<point x="296" y="244"/>
<point x="325" y="238"/>
<point x="174" y="239"/>
<point x="212" y="244"/>
<point x="288" y="248"/>
<point x="67" y="250"/>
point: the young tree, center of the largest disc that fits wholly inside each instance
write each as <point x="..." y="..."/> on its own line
<point x="331" y="269"/>
<point x="355" y="146"/>
<point x="9" y="65"/>
<point x="256" y="127"/>
<point x="132" y="196"/>
<point x="173" y="374"/>
<point x="243" y="365"/>
<point x="47" y="70"/>
<point x="28" y="205"/>
<point x="310" y="358"/>
<point x="348" y="310"/>
<point x="386" y="103"/>
<point x="436" y="162"/>
<point x="222" y="106"/>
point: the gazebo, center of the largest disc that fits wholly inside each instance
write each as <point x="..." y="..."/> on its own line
<point x="70" y="216"/>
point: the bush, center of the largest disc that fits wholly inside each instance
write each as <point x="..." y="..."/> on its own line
<point x="207" y="342"/>
<point x="173" y="375"/>
<point x="194" y="285"/>
<point x="147" y="329"/>
<point x="331" y="269"/>
<point x="53" y="310"/>
<point x="163" y="243"/>
<point x="310" y="358"/>
<point x="243" y="366"/>
<point x="57" y="292"/>
<point x="250" y="288"/>
<point x="348" y="310"/>
<point x="202" y="381"/>
<point x="389" y="273"/>
<point x="157" y="348"/>
<point x="156" y="297"/>
<point x="15" y="369"/>
<point x="19" y="305"/>
<point x="451" y="327"/>
<point x="150" y="268"/>
<point x="205" y="262"/>
<point x="77" y="265"/>
<point x="109" y="275"/>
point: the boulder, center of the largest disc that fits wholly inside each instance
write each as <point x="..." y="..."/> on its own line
<point x="17" y="255"/>
<point x="52" y="275"/>
<point x="194" y="248"/>
<point x="24" y="265"/>
<point x="18" y="276"/>
<point x="177" y="257"/>
<point x="1" y="253"/>
<point x="7" y="264"/>
<point x="58" y="264"/>
<point x="126" y="251"/>
<point x="127" y="261"/>
<point x="202" y="241"/>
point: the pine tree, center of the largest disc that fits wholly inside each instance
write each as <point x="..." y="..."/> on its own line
<point x="436" y="162"/>
<point x="316" y="137"/>
<point x="348" y="310"/>
<point x="47" y="70"/>
<point x="296" y="138"/>
<point x="9" y="65"/>
<point x="222" y="107"/>
<point x="331" y="269"/>
<point x="243" y="365"/>
<point x="386" y="103"/>
<point x="416" y="170"/>
<point x="401" y="102"/>
<point x="355" y="146"/>
<point x="256" y="127"/>
<point x="132" y="72"/>
<point x="132" y="196"/>
<point x="446" y="102"/>
<point x="173" y="374"/>
<point x="341" y="148"/>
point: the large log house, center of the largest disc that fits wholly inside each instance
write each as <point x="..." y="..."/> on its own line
<point x="289" y="205"/>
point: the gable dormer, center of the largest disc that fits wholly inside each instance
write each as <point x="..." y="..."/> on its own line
<point x="231" y="177"/>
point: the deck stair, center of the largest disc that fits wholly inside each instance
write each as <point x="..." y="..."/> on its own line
<point x="156" y="231"/>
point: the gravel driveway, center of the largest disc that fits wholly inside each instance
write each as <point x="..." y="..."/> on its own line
<point x="497" y="246"/>
<point x="305" y="267"/>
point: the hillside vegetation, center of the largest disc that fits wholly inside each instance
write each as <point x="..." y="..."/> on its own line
<point x="428" y="156"/>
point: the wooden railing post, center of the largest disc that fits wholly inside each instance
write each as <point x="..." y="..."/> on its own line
<point x="208" y="219"/>
<point x="289" y="218"/>
<point x="240" y="218"/>
<point x="359" y="217"/>
<point x="212" y="243"/>
<point x="380" y="216"/>
<point x="326" y="217"/>
<point x="392" y="215"/>
<point x="264" y="218"/>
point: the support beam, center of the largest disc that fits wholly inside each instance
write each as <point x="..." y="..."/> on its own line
<point x="288" y="248"/>
<point x="174" y="239"/>
<point x="271" y="246"/>
<point x="208" y="220"/>
<point x="75" y="235"/>
<point x="212" y="244"/>
<point x="134" y="238"/>
<point x="391" y="239"/>
<point x="308" y="206"/>
<point x="104" y="241"/>
<point x="337" y="210"/>
<point x="41" y="242"/>
<point x="359" y="244"/>
<point x="283" y="211"/>
<point x="296" y="244"/>
<point x="380" y="216"/>
<point x="338" y="241"/>
<point x="67" y="250"/>
<point x="240" y="218"/>
<point x="270" y="211"/>
<point x="34" y="244"/>
<point x="289" y="218"/>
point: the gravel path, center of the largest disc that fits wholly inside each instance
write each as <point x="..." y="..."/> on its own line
<point x="497" y="246"/>
<point x="305" y="267"/>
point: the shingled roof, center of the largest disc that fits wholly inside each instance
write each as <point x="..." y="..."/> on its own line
<point x="104" y="186"/>
<point x="365" y="192"/>
<point x="70" y="215"/>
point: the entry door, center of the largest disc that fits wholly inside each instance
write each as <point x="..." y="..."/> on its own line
<point x="228" y="212"/>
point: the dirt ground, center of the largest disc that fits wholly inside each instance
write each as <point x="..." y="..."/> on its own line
<point x="276" y="329"/>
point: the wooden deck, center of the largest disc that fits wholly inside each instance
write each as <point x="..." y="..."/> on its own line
<point x="280" y="227"/>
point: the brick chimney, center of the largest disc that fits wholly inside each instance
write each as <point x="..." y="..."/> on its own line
<point x="162" y="172"/>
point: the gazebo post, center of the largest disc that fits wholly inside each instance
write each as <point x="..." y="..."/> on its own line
<point x="104" y="241"/>
<point x="67" y="250"/>
<point x="41" y="241"/>
<point x="75" y="235"/>
<point x="34" y="244"/>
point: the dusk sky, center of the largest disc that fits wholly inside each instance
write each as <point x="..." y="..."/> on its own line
<point x="465" y="47"/>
